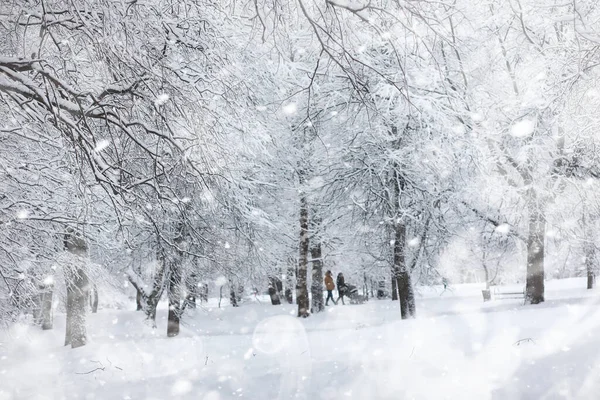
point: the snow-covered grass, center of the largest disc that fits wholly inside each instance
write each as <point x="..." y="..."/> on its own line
<point x="458" y="348"/>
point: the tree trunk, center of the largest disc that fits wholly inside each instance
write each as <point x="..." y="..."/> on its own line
<point x="394" y="285"/>
<point x="94" y="299"/>
<point x="302" y="292"/>
<point x="153" y="297"/>
<point x="289" y="283"/>
<point x="232" y="294"/>
<point x="151" y="304"/>
<point x="316" y="288"/>
<point x="204" y="293"/>
<point x="69" y="317"/>
<point x="138" y="300"/>
<point x="591" y="277"/>
<point x="590" y="251"/>
<point x="77" y="296"/>
<point x="405" y="289"/>
<point x="43" y="315"/>
<point x="174" y="295"/>
<point x="77" y="285"/>
<point x="534" y="290"/>
<point x="273" y="294"/>
<point x="192" y="288"/>
<point x="487" y="276"/>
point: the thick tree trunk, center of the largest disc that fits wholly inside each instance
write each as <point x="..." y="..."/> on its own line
<point x="405" y="289"/>
<point x="69" y="318"/>
<point x="153" y="297"/>
<point x="273" y="293"/>
<point x="365" y="286"/>
<point x="316" y="288"/>
<point x="174" y="294"/>
<point x="394" y="285"/>
<point x="138" y="300"/>
<point x="534" y="290"/>
<point x="150" y="310"/>
<point x="233" y="294"/>
<point x="591" y="278"/>
<point x="302" y="291"/>
<point x="487" y="276"/>
<point x="77" y="285"/>
<point x="77" y="295"/>
<point x="44" y="311"/>
<point x="94" y="299"/>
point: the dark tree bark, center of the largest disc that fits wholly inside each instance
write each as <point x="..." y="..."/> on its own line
<point x="94" y="299"/>
<point x="405" y="289"/>
<point x="394" y="285"/>
<point x="316" y="288"/>
<point x="204" y="293"/>
<point x="589" y="248"/>
<point x="138" y="300"/>
<point x="302" y="291"/>
<point x="365" y="286"/>
<point x="591" y="277"/>
<point x="77" y="284"/>
<point x="174" y="294"/>
<point x="233" y="294"/>
<point x="273" y="294"/>
<point x="534" y="290"/>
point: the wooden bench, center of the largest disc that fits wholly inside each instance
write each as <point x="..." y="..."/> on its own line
<point x="498" y="295"/>
<point x="508" y="295"/>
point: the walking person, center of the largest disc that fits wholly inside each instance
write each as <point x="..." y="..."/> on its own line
<point x="341" y="285"/>
<point x="329" y="285"/>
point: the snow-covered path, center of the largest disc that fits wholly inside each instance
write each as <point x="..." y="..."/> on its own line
<point x="458" y="348"/>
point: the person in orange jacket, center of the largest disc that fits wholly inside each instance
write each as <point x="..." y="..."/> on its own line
<point x="329" y="285"/>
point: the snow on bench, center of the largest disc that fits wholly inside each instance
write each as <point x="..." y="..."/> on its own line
<point x="500" y="295"/>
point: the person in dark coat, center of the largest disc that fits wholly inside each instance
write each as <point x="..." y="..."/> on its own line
<point x="342" y="288"/>
<point x="329" y="285"/>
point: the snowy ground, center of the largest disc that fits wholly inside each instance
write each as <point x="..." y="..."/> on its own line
<point x="458" y="348"/>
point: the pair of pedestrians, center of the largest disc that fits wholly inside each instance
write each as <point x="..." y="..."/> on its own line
<point x="330" y="286"/>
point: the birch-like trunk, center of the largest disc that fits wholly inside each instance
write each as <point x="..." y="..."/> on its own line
<point x="301" y="284"/>
<point x="77" y="285"/>
<point x="316" y="288"/>
<point x="406" y="293"/>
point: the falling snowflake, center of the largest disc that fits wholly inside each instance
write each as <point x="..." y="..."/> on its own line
<point x="23" y="214"/>
<point x="220" y="281"/>
<point x="503" y="228"/>
<point x="290" y="109"/>
<point x="102" y="144"/>
<point x="522" y="128"/>
<point x="161" y="99"/>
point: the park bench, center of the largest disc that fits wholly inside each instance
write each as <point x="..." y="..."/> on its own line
<point x="501" y="295"/>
